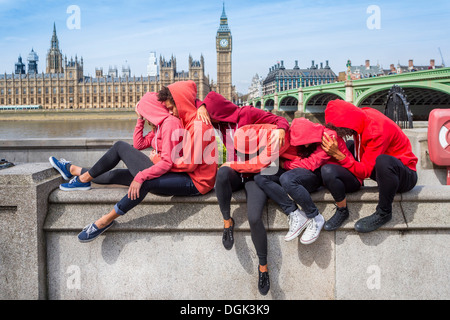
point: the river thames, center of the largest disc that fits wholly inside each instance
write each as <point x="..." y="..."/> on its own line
<point x="16" y="130"/>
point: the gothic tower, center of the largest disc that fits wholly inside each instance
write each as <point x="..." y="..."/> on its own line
<point x="223" y="48"/>
<point x="54" y="55"/>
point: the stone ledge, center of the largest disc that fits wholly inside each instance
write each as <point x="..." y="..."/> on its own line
<point x="73" y="210"/>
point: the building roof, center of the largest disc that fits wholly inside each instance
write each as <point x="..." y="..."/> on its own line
<point x="314" y="72"/>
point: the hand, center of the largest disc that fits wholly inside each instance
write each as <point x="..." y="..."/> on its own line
<point x="138" y="114"/>
<point x="153" y="153"/>
<point x="279" y="134"/>
<point x="202" y="114"/>
<point x="133" y="191"/>
<point x="330" y="146"/>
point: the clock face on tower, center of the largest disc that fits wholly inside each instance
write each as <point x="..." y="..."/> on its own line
<point x="223" y="43"/>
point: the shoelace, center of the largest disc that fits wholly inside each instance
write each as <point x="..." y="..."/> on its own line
<point x="263" y="278"/>
<point x="90" y="228"/>
<point x="63" y="161"/>
<point x="73" y="180"/>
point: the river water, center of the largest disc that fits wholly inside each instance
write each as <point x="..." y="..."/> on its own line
<point x="15" y="130"/>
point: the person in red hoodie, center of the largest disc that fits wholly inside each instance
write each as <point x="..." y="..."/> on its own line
<point x="142" y="175"/>
<point x="383" y="153"/>
<point x="227" y="118"/>
<point x="298" y="177"/>
<point x="199" y="146"/>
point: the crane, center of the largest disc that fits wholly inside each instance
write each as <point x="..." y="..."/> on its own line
<point x="443" y="63"/>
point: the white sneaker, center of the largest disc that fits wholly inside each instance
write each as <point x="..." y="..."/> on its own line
<point x="297" y="223"/>
<point x="313" y="230"/>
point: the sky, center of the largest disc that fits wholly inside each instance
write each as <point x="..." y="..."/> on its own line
<point x="116" y="33"/>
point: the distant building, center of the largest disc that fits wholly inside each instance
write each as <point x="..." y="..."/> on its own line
<point x="64" y="85"/>
<point x="280" y="79"/>
<point x="369" y="71"/>
<point x="152" y="67"/>
<point x="256" y="87"/>
<point x="365" y="71"/>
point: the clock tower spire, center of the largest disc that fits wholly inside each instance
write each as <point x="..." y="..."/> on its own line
<point x="223" y="48"/>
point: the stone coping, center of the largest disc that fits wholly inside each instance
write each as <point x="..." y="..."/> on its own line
<point x="423" y="208"/>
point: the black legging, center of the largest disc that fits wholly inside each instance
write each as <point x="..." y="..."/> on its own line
<point x="227" y="181"/>
<point x="170" y="183"/>
<point x="390" y="173"/>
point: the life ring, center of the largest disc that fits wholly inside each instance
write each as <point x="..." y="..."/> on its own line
<point x="444" y="135"/>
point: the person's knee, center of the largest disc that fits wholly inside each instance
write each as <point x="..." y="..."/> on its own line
<point x="260" y="179"/>
<point x="328" y="173"/>
<point x="223" y="175"/>
<point x="383" y="164"/>
<point x="119" y="144"/>
<point x="286" y="180"/>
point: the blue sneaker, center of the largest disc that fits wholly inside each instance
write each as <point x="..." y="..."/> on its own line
<point x="91" y="232"/>
<point x="75" y="184"/>
<point x="60" y="165"/>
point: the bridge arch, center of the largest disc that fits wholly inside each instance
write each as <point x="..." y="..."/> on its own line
<point x="258" y="104"/>
<point x="422" y="98"/>
<point x="288" y="103"/>
<point x="317" y="102"/>
<point x="269" y="104"/>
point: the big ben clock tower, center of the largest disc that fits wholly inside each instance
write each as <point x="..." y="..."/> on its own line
<point x="223" y="48"/>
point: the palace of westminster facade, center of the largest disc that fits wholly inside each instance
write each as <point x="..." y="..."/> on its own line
<point x="64" y="86"/>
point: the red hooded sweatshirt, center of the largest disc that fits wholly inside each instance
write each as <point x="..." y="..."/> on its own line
<point x="304" y="132"/>
<point x="377" y="135"/>
<point x="159" y="139"/>
<point x="200" y="160"/>
<point x="253" y="144"/>
<point x="233" y="117"/>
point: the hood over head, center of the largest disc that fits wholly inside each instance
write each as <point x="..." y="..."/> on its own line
<point x="151" y="109"/>
<point x="184" y="94"/>
<point x="304" y="132"/>
<point x="344" y="114"/>
<point x="226" y="110"/>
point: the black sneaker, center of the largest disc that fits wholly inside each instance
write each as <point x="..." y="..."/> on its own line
<point x="373" y="222"/>
<point x="337" y="219"/>
<point x="227" y="237"/>
<point x="263" y="282"/>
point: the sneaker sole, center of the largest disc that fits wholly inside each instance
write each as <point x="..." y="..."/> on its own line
<point x="92" y="239"/>
<point x="75" y="189"/>
<point x="303" y="241"/>
<point x="57" y="168"/>
<point x="297" y="233"/>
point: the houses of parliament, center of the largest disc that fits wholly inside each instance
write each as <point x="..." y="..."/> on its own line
<point x="63" y="85"/>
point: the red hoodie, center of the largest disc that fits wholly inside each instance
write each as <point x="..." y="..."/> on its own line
<point x="253" y="144"/>
<point x="159" y="139"/>
<point x="200" y="147"/>
<point x="377" y="135"/>
<point x="304" y="132"/>
<point x="233" y="117"/>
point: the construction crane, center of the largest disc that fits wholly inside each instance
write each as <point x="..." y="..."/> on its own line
<point x="443" y="63"/>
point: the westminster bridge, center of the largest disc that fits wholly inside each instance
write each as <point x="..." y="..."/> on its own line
<point x="425" y="90"/>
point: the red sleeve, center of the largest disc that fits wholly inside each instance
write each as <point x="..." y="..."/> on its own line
<point x="261" y="116"/>
<point x="363" y="169"/>
<point x="165" y="163"/>
<point x="317" y="159"/>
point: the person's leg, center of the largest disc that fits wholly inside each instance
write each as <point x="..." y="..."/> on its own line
<point x="134" y="159"/>
<point x="338" y="181"/>
<point x="256" y="200"/>
<point x="298" y="183"/>
<point x="179" y="184"/>
<point x="392" y="176"/>
<point x="227" y="181"/>
<point x="273" y="189"/>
